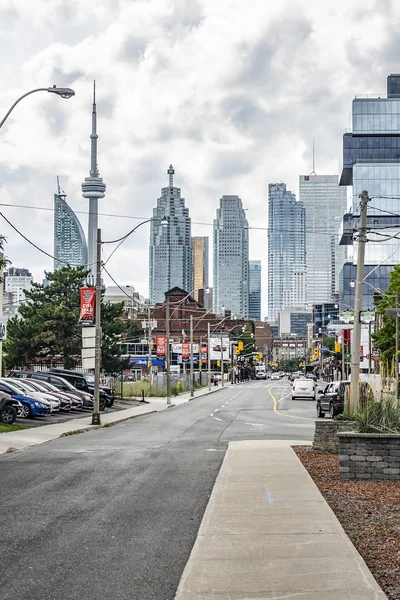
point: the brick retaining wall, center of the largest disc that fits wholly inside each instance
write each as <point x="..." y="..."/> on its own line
<point x="369" y="456"/>
<point x="325" y="434"/>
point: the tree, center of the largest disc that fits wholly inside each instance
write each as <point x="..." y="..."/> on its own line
<point x="3" y="261"/>
<point x="46" y="328"/>
<point x="385" y="337"/>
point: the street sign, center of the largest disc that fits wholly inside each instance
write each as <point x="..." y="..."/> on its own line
<point x="394" y="312"/>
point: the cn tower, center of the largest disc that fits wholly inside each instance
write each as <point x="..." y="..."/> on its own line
<point x="93" y="188"/>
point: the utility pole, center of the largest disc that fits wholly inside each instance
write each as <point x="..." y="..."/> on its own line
<point x="209" y="355"/>
<point x="168" y="354"/>
<point x="397" y="349"/>
<point x="355" y="355"/>
<point x="191" y="386"/>
<point x="97" y="353"/>
<point x="222" y="362"/>
<point x="343" y="358"/>
<point x="369" y="348"/>
<point x="150" y="341"/>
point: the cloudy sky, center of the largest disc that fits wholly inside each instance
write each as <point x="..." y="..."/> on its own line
<point x="230" y="92"/>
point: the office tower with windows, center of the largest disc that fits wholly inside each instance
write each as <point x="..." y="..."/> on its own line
<point x="325" y="203"/>
<point x="171" y="245"/>
<point x="231" y="258"/>
<point x="286" y="246"/>
<point x="200" y="268"/>
<point x="255" y="290"/>
<point x="16" y="282"/>
<point x="371" y="162"/>
<point x="69" y="239"/>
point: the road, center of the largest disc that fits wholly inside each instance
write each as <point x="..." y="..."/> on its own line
<point x="113" y="514"/>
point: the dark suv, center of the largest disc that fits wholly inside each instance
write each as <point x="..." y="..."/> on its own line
<point x="85" y="382"/>
<point x="9" y="409"/>
<point x="60" y="382"/>
<point x="332" y="398"/>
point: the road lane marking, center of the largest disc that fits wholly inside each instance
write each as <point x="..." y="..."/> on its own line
<point x="216" y="410"/>
<point x="211" y="414"/>
<point x="276" y="411"/>
<point x="217" y="419"/>
<point x="283" y="397"/>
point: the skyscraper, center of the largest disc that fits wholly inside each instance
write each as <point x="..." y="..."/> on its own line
<point x="255" y="290"/>
<point x="93" y="188"/>
<point x="371" y="162"/>
<point x="69" y="240"/>
<point x="231" y="258"/>
<point x="286" y="246"/>
<point x="200" y="265"/>
<point x="325" y="204"/>
<point x="170" y="247"/>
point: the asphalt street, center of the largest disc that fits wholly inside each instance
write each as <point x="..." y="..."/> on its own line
<point x="113" y="514"/>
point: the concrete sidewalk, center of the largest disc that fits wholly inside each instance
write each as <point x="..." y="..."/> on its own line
<point x="19" y="440"/>
<point x="268" y="533"/>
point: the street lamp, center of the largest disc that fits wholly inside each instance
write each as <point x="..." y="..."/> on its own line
<point x="63" y="92"/>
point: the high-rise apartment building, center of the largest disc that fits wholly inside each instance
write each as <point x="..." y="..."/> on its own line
<point x="200" y="268"/>
<point x="255" y="290"/>
<point x="16" y="282"/>
<point x="286" y="246"/>
<point x="231" y="258"/>
<point x="69" y="239"/>
<point x="325" y="204"/>
<point x="371" y="162"/>
<point x="171" y="245"/>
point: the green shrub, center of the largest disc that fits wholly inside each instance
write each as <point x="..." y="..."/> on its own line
<point x="378" y="417"/>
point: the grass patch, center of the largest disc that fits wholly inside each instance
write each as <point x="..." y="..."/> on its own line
<point x="67" y="433"/>
<point x="4" y="428"/>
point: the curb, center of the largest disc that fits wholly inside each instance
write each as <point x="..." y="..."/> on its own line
<point x="79" y="431"/>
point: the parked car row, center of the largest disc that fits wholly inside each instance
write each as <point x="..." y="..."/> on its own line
<point x="31" y="394"/>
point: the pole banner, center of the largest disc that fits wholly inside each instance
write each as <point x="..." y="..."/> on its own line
<point x="86" y="313"/>
<point x="161" y="345"/>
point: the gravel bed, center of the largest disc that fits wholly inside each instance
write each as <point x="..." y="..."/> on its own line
<point x="369" y="512"/>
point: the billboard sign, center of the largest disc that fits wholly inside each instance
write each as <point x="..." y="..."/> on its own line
<point x="3" y="328"/>
<point x="86" y="313"/>
<point x="216" y="344"/>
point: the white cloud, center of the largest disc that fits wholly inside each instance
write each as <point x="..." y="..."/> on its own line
<point x="231" y="93"/>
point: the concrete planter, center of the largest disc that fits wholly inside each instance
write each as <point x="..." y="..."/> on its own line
<point x="369" y="456"/>
<point x="325" y="434"/>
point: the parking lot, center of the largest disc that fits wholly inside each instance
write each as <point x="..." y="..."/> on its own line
<point x="62" y="417"/>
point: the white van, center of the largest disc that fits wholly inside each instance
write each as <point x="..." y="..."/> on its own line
<point x="303" y="388"/>
<point x="260" y="372"/>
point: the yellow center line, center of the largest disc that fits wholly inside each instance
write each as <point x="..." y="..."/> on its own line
<point x="276" y="411"/>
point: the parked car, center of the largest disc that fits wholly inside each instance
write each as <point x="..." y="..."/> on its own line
<point x="85" y="383"/>
<point x="31" y="407"/>
<point x="275" y="376"/>
<point x="29" y="390"/>
<point x="303" y="388"/>
<point x="65" y="403"/>
<point x="331" y="399"/>
<point x="9" y="409"/>
<point x="59" y="382"/>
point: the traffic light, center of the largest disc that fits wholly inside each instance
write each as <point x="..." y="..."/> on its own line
<point x="237" y="351"/>
<point x="240" y="346"/>
<point x="316" y="353"/>
<point x="218" y="363"/>
<point x="337" y="347"/>
<point x="260" y="356"/>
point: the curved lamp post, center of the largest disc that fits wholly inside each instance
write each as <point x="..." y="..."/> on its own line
<point x="63" y="92"/>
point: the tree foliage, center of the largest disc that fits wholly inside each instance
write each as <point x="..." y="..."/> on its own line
<point x="46" y="328"/>
<point x="385" y="337"/>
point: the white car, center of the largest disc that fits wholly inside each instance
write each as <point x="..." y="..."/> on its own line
<point x="275" y="376"/>
<point x="303" y="388"/>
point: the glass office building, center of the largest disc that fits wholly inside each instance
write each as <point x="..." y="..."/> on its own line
<point x="231" y="258"/>
<point x="371" y="162"/>
<point x="255" y="290"/>
<point x="170" y="246"/>
<point x="69" y="239"/>
<point x="325" y="203"/>
<point x="286" y="246"/>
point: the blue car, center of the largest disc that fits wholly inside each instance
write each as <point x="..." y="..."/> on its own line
<point x="31" y="407"/>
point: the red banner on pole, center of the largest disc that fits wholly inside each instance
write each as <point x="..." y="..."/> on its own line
<point x="185" y="350"/>
<point x="86" y="313"/>
<point x="161" y="345"/>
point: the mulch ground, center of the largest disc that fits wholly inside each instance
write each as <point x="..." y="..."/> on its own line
<point x="369" y="512"/>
